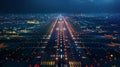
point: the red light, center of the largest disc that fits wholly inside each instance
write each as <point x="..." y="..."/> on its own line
<point x="6" y="58"/>
<point x="30" y="65"/>
<point x="86" y="66"/>
<point x="36" y="65"/>
<point x="98" y="64"/>
<point x="107" y="57"/>
<point x="105" y="62"/>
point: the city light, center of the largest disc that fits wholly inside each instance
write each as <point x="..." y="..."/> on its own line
<point x="65" y="41"/>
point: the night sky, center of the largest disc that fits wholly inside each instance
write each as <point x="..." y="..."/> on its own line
<point x="59" y="6"/>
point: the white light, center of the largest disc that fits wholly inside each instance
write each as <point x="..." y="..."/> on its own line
<point x="61" y="50"/>
<point x="61" y="56"/>
<point x="57" y="28"/>
<point x="64" y="28"/>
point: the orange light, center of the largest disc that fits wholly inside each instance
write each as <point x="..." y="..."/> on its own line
<point x="111" y="55"/>
<point x="56" y="58"/>
<point x="66" y="58"/>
